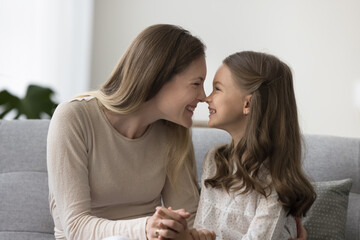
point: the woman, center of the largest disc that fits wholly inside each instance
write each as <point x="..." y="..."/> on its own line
<point x="110" y="159"/>
<point x="117" y="153"/>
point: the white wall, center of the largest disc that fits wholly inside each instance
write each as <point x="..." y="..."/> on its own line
<point x="46" y="43"/>
<point x="319" y="39"/>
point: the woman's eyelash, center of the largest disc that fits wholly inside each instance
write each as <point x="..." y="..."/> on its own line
<point x="196" y="84"/>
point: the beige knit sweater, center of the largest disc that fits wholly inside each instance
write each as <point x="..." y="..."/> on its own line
<point x="103" y="184"/>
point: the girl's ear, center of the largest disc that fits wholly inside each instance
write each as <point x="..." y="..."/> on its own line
<point x="247" y="104"/>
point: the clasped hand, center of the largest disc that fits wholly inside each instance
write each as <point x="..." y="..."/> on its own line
<point x="167" y="223"/>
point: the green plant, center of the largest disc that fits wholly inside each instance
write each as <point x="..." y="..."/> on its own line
<point x="34" y="105"/>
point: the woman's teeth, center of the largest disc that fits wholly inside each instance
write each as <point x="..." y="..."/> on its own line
<point x="190" y="108"/>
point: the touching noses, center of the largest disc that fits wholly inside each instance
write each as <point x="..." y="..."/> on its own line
<point x="201" y="95"/>
<point x="208" y="99"/>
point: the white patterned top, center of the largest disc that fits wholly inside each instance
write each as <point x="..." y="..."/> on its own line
<point x="241" y="216"/>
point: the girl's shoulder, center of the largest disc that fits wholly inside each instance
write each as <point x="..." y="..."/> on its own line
<point x="209" y="164"/>
<point x="210" y="155"/>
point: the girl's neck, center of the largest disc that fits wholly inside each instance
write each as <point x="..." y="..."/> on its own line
<point x="238" y="132"/>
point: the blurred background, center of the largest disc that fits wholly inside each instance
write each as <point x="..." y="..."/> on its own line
<point x="72" y="46"/>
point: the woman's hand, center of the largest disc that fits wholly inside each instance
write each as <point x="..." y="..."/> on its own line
<point x="167" y="224"/>
<point x="301" y="231"/>
<point x="192" y="234"/>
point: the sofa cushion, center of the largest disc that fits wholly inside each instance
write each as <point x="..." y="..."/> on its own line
<point x="23" y="145"/>
<point x="327" y="217"/>
<point x="204" y="139"/>
<point x="26" y="236"/>
<point x="24" y="203"/>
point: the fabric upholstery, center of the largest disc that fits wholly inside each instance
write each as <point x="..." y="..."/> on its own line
<point x="24" y="210"/>
<point x="24" y="190"/>
<point x="327" y="216"/>
<point x="325" y="158"/>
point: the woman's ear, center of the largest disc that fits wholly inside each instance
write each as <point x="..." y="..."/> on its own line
<point x="247" y="104"/>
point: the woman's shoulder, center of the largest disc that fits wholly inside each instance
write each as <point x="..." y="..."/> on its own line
<point x="75" y="107"/>
<point x="74" y="112"/>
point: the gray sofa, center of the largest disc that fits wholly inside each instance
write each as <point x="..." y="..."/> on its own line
<point x="24" y="211"/>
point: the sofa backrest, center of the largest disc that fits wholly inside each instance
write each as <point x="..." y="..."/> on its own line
<point x="24" y="210"/>
<point x="24" y="207"/>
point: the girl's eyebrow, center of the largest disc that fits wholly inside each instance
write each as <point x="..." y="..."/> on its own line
<point x="217" y="82"/>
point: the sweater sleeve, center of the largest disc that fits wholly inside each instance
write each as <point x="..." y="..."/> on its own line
<point x="185" y="195"/>
<point x="67" y="162"/>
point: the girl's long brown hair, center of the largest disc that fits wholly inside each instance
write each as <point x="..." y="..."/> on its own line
<point x="153" y="58"/>
<point x="272" y="138"/>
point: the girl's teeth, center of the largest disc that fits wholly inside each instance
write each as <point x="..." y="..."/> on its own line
<point x="190" y="109"/>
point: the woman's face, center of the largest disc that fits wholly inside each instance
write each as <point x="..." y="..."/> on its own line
<point x="227" y="102"/>
<point x="178" y="98"/>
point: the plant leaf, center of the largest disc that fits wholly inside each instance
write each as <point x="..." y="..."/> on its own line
<point x="36" y="102"/>
<point x="9" y="102"/>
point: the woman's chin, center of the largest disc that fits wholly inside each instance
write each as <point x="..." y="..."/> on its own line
<point x="187" y="123"/>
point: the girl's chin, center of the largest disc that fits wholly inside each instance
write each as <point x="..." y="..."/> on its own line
<point x="211" y="123"/>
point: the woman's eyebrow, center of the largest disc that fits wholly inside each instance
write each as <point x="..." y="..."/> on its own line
<point x="200" y="78"/>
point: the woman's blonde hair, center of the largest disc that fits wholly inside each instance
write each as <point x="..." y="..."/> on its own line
<point x="153" y="58"/>
<point x="272" y="137"/>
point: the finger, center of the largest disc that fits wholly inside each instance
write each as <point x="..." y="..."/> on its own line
<point x="174" y="225"/>
<point x="301" y="231"/>
<point x="298" y="230"/>
<point x="213" y="235"/>
<point x="165" y="213"/>
<point x="182" y="212"/>
<point x="167" y="233"/>
<point x="194" y="234"/>
<point x="206" y="235"/>
<point x="202" y="236"/>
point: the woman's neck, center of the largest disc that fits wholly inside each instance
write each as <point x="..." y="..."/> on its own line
<point x="135" y="124"/>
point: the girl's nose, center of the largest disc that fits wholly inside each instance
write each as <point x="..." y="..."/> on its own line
<point x="208" y="99"/>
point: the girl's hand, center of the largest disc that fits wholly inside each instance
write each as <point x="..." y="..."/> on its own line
<point x="192" y="234"/>
<point x="202" y="234"/>
<point x="166" y="223"/>
<point x="301" y="231"/>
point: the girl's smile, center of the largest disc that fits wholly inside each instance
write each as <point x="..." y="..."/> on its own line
<point x="227" y="103"/>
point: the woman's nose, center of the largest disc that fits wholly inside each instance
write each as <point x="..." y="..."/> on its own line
<point x="202" y="95"/>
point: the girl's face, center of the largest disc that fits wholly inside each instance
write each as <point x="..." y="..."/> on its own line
<point x="178" y="98"/>
<point x="228" y="104"/>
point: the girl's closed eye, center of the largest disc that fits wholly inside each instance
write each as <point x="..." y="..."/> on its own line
<point x="216" y="89"/>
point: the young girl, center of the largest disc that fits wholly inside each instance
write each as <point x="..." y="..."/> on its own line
<point x="253" y="187"/>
